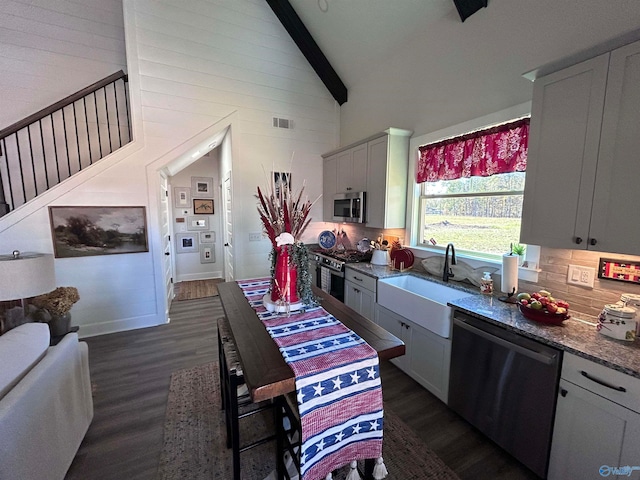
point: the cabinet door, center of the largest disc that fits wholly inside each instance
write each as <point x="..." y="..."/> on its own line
<point x="614" y="224"/>
<point x="352" y="169"/>
<point x="395" y="325"/>
<point x="352" y="296"/>
<point x="367" y="303"/>
<point x="377" y="183"/>
<point x="589" y="432"/>
<point x="359" y="168"/>
<point x="566" y="117"/>
<point x="344" y="172"/>
<point x="329" y="186"/>
<point x="429" y="361"/>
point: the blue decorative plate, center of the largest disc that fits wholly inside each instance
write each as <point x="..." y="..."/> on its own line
<point x="327" y="239"/>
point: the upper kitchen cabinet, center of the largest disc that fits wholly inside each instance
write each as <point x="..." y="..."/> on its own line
<point x="582" y="169"/>
<point x="387" y="180"/>
<point x="352" y="170"/>
<point x="378" y="166"/>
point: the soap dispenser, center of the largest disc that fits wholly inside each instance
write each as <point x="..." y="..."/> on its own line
<point x="486" y="284"/>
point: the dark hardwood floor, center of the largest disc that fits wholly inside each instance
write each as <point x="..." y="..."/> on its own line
<point x="130" y="372"/>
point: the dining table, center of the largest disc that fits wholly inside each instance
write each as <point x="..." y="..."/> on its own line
<point x="266" y="374"/>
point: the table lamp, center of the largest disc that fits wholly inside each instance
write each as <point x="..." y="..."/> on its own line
<point x="26" y="275"/>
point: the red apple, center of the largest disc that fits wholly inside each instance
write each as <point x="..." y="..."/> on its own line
<point x="562" y="303"/>
<point x="552" y="307"/>
<point x="524" y="302"/>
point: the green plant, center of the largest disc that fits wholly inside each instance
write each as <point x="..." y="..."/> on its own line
<point x="518" y="249"/>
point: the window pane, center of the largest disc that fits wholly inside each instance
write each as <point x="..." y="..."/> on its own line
<point x="505" y="182"/>
<point x="487" y="224"/>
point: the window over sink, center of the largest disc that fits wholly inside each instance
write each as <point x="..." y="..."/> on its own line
<point x="471" y="189"/>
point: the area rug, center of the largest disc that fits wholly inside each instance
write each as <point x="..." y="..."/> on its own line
<point x="195" y="446"/>
<point x="194" y="289"/>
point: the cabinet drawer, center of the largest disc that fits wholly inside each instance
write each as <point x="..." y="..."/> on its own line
<point x="592" y="376"/>
<point x="365" y="281"/>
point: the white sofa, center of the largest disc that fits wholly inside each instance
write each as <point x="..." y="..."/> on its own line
<point x="45" y="402"/>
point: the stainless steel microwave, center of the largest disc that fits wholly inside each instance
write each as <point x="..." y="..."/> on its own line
<point x="350" y="207"/>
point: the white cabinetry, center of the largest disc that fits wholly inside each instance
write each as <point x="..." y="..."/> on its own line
<point x="597" y="423"/>
<point x="428" y="356"/>
<point x="352" y="170"/>
<point x="377" y="166"/>
<point x="360" y="293"/>
<point x="329" y="186"/>
<point x="582" y="171"/>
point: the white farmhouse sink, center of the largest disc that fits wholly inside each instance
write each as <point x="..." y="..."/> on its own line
<point x="419" y="300"/>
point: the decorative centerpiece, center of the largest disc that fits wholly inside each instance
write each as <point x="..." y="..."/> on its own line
<point x="56" y="306"/>
<point x="285" y="216"/>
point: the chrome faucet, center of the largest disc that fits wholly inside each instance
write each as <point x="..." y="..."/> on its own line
<point x="448" y="273"/>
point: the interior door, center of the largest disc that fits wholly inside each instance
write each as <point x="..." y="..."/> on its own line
<point x="228" y="228"/>
<point x="165" y="229"/>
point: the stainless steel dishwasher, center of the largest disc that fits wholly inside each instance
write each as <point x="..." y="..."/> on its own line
<point x="505" y="385"/>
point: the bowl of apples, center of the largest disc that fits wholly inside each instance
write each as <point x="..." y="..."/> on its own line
<point x="542" y="307"/>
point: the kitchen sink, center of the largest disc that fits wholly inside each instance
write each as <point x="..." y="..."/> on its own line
<point x="422" y="301"/>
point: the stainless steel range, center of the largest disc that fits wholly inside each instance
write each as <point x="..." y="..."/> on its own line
<point x="329" y="268"/>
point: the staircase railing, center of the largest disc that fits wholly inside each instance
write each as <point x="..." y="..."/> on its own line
<point x="62" y="139"/>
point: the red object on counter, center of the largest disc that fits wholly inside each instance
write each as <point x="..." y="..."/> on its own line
<point x="541" y="316"/>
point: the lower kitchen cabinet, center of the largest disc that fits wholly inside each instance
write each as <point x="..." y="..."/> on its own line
<point x="427" y="356"/>
<point x="596" y="428"/>
<point x="360" y="293"/>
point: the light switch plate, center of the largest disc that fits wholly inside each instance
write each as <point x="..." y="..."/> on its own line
<point x="581" y="276"/>
<point x="255" y="236"/>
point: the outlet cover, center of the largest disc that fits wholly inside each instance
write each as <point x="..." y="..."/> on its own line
<point x="581" y="276"/>
<point x="255" y="236"/>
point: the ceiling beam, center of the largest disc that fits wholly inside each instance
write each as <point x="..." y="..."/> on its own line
<point x="309" y="48"/>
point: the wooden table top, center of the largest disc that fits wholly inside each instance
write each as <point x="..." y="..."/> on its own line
<point x="266" y="373"/>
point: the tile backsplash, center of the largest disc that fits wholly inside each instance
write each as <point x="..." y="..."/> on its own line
<point x="585" y="302"/>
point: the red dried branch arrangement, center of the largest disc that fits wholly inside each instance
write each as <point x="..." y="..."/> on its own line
<point x="283" y="211"/>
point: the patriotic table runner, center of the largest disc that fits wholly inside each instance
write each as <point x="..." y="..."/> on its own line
<point x="337" y="384"/>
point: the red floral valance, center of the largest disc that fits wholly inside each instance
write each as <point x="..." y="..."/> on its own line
<point x="501" y="149"/>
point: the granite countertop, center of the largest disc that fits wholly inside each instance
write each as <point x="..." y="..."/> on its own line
<point x="574" y="335"/>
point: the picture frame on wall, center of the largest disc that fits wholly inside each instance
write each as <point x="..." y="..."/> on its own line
<point x="84" y="231"/>
<point x="203" y="206"/>
<point x="202" y="187"/>
<point x="186" y="242"/>
<point x="181" y="197"/>
<point x="198" y="223"/>
<point x="281" y="179"/>
<point x="207" y="237"/>
<point x="207" y="253"/>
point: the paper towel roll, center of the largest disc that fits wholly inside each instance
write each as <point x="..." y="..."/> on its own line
<point x="509" y="281"/>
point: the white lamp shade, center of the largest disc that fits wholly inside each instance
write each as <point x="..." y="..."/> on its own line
<point x="26" y="275"/>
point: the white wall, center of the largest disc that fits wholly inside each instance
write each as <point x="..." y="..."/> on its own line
<point x="191" y="66"/>
<point x="53" y="49"/>
<point x="188" y="265"/>
<point x="450" y="72"/>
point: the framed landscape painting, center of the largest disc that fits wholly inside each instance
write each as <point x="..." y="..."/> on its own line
<point x="87" y="231"/>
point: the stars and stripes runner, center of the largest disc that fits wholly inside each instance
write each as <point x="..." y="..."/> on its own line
<point x="337" y="384"/>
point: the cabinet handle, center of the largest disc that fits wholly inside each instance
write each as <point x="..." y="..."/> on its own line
<point x="356" y="290"/>
<point x="563" y="392"/>
<point x="357" y="278"/>
<point x="578" y="240"/>
<point x="348" y="188"/>
<point x="604" y="384"/>
<point x="593" y="241"/>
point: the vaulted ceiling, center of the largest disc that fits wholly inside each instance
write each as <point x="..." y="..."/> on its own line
<point x="356" y="34"/>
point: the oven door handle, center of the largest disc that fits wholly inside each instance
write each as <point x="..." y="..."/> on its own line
<point x="537" y="356"/>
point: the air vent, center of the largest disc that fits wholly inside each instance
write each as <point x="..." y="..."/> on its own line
<point x="282" y="123"/>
